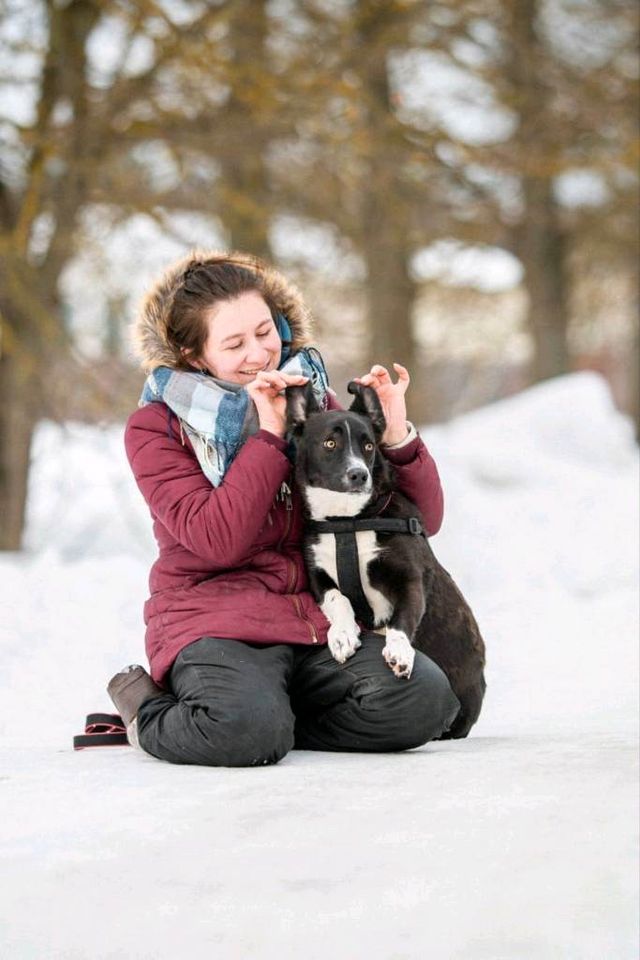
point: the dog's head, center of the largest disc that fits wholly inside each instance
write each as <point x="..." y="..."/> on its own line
<point x="337" y="450"/>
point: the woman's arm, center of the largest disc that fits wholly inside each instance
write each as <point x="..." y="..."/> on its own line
<point x="218" y="524"/>
<point x="418" y="479"/>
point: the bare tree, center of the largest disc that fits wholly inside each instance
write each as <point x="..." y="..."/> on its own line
<point x="565" y="71"/>
<point x="78" y="151"/>
<point x="265" y="109"/>
<point x="356" y="163"/>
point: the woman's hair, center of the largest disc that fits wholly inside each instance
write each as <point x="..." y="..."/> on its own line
<point x="171" y="324"/>
<point x="202" y="285"/>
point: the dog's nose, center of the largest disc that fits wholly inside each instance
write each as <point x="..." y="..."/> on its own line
<point x="357" y="477"/>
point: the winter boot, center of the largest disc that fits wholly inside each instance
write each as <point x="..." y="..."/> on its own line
<point x="129" y="689"/>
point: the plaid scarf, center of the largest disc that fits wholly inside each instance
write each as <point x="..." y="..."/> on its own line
<point x="218" y="415"/>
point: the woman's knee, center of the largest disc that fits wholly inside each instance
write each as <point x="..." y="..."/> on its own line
<point x="406" y="713"/>
<point x="248" y="735"/>
<point x="435" y="704"/>
<point x="253" y="735"/>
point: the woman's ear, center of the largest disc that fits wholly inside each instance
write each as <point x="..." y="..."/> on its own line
<point x="188" y="357"/>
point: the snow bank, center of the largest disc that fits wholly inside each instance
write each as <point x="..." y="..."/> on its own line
<point x="541" y="532"/>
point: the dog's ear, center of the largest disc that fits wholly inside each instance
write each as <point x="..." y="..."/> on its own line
<point x="367" y="403"/>
<point x="301" y="403"/>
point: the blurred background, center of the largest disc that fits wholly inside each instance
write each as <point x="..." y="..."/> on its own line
<point x="452" y="184"/>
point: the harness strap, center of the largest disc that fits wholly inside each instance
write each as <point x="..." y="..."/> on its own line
<point x="348" y="564"/>
<point x="347" y="559"/>
<point x="381" y="524"/>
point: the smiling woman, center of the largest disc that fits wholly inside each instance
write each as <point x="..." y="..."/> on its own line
<point x="242" y="339"/>
<point x="216" y="324"/>
<point x="240" y="670"/>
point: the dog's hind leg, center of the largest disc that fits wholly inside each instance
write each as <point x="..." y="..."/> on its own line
<point x="470" y="706"/>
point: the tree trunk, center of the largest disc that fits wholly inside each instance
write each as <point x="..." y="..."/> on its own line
<point x="539" y="240"/>
<point x="542" y="252"/>
<point x="389" y="290"/>
<point x="18" y="417"/>
<point x="243" y="193"/>
<point x="634" y="380"/>
<point x="385" y="222"/>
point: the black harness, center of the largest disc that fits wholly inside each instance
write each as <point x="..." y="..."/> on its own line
<point x="347" y="553"/>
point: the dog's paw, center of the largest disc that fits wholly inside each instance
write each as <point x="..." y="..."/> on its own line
<point x="398" y="653"/>
<point x="343" y="642"/>
<point x="344" y="632"/>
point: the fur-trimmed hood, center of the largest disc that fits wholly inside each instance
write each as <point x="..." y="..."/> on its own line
<point x="149" y="331"/>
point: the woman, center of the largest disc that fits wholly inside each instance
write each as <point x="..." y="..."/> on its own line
<point x="240" y="668"/>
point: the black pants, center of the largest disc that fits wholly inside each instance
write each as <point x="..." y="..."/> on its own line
<point x="233" y="704"/>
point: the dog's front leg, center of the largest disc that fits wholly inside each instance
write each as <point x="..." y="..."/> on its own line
<point x="344" y="633"/>
<point x="408" y="611"/>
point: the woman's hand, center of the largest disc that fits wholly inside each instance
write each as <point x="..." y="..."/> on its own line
<point x="391" y="396"/>
<point x="266" y="391"/>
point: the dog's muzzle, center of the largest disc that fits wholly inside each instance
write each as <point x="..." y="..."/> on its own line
<point x="357" y="480"/>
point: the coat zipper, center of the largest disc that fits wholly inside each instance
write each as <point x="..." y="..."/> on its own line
<point x="296" y="602"/>
<point x="284" y="494"/>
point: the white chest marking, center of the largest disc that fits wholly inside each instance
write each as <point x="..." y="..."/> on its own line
<point x="324" y="553"/>
<point x="325" y="503"/>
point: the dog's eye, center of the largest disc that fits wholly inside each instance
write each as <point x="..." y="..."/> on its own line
<point x="368" y="447"/>
<point x="330" y="444"/>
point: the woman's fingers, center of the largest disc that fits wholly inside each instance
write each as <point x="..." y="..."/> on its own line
<point x="379" y="376"/>
<point x="274" y="380"/>
<point x="274" y="376"/>
<point x="403" y="375"/>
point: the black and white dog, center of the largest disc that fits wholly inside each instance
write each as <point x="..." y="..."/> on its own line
<point x="366" y="550"/>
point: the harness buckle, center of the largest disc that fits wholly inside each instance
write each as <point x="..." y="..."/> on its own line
<point x="415" y="527"/>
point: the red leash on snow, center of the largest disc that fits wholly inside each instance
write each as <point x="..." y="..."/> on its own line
<point x="102" y="730"/>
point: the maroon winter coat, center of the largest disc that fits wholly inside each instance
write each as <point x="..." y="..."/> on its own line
<point x="230" y="557"/>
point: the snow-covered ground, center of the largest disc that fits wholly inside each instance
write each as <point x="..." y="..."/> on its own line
<point x="518" y="843"/>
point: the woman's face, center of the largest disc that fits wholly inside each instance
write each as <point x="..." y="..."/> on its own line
<point x="242" y="339"/>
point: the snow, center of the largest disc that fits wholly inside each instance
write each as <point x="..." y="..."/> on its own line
<point x="458" y="264"/>
<point x="519" y="842"/>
